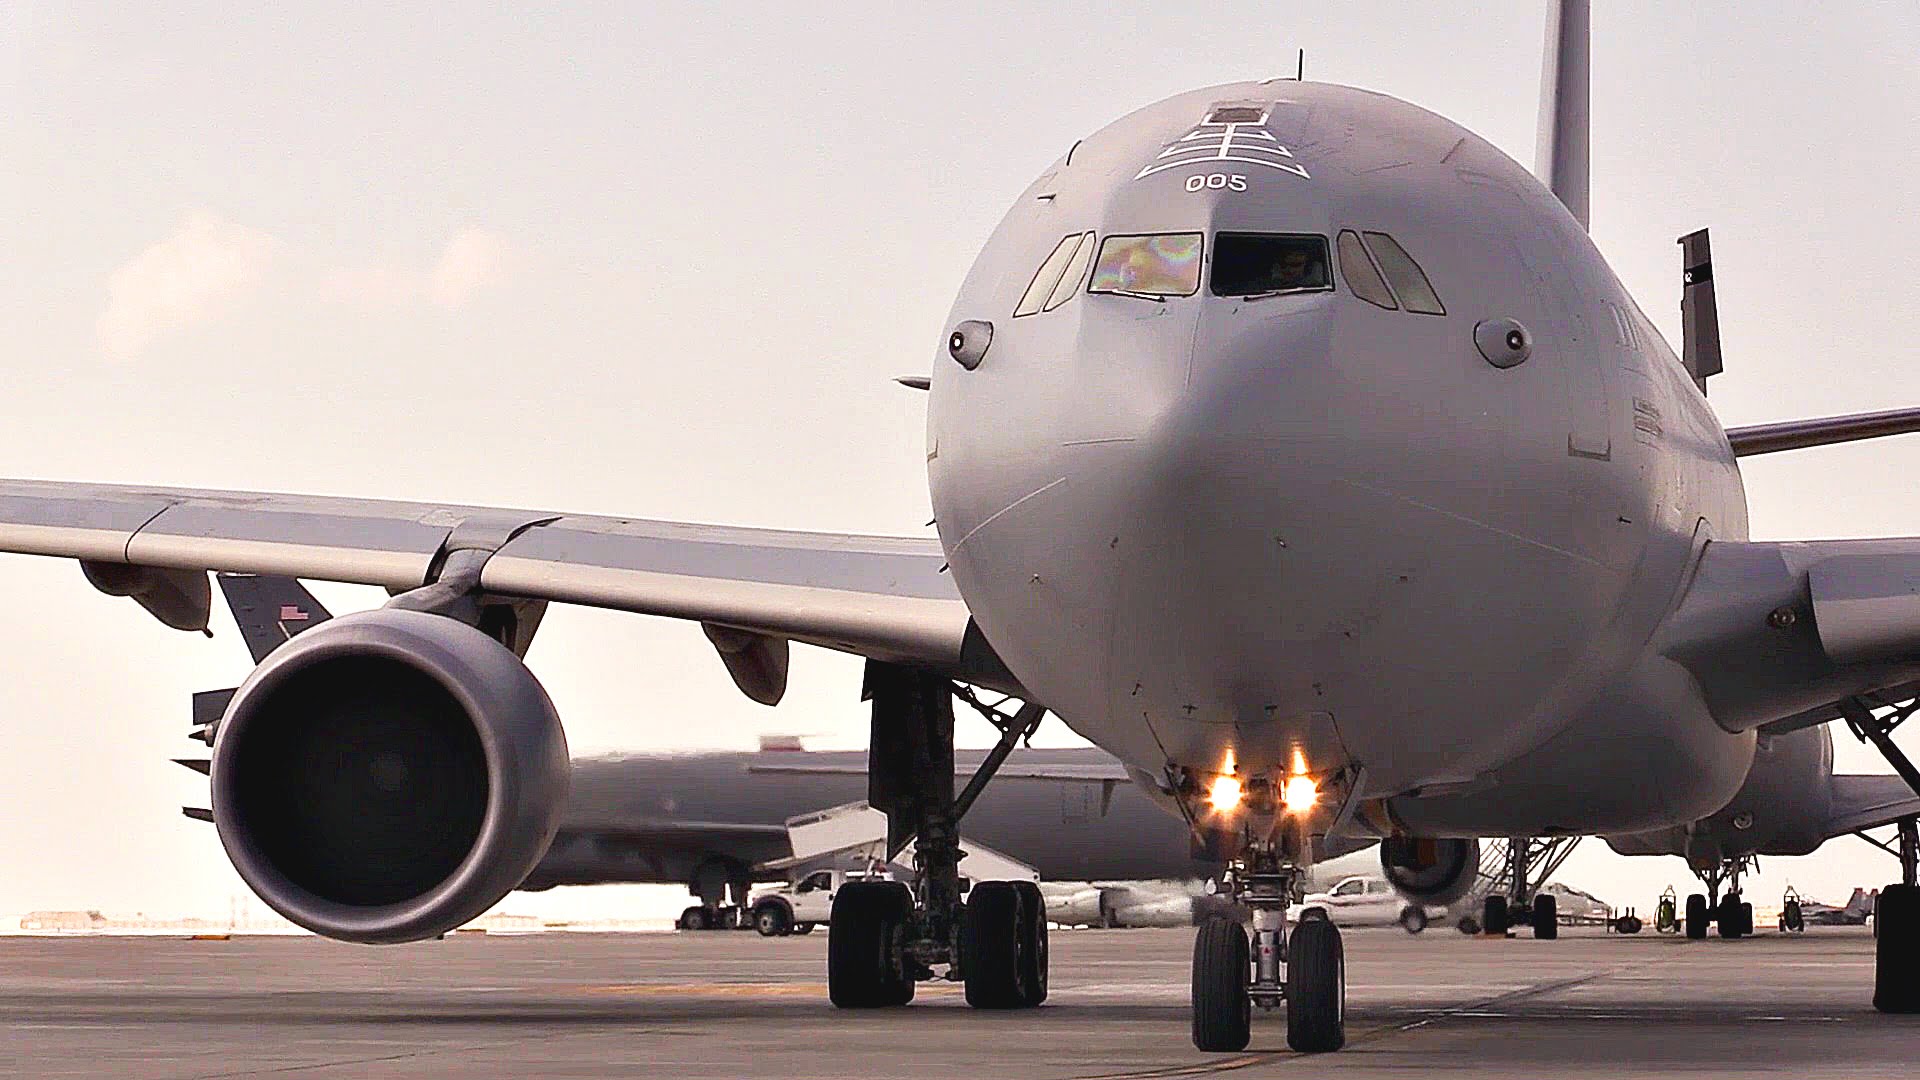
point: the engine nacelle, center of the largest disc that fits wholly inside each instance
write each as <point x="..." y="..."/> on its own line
<point x="388" y="776"/>
<point x="1435" y="872"/>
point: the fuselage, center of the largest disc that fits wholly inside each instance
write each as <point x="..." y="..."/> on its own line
<point x="1317" y="521"/>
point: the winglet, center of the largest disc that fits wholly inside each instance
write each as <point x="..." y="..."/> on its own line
<point x="1561" y="159"/>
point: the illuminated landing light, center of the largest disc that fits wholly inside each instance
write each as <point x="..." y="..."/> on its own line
<point x="1225" y="793"/>
<point x="1298" y="794"/>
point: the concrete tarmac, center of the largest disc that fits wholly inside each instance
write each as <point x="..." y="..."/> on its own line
<point x="735" y="1004"/>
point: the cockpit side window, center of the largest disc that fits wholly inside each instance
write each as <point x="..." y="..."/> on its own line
<point x="1048" y="275"/>
<point x="1409" y="282"/>
<point x="1153" y="267"/>
<point x="1070" y="279"/>
<point x="1357" y="269"/>
<point x="1266" y="264"/>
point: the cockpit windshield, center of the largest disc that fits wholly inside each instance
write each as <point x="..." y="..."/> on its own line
<point x="1149" y="266"/>
<point x="1266" y="264"/>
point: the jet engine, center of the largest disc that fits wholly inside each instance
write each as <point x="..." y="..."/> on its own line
<point x="1435" y="872"/>
<point x="388" y="776"/>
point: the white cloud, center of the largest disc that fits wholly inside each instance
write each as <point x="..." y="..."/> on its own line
<point x="210" y="266"/>
<point x="473" y="260"/>
<point x="206" y="267"/>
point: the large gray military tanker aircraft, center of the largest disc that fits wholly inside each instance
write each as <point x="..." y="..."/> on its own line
<point x="1288" y="441"/>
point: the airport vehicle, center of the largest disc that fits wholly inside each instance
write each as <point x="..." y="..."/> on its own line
<point x="1290" y="442"/>
<point x="1367" y="900"/>
<point x="798" y="908"/>
<point x="708" y="819"/>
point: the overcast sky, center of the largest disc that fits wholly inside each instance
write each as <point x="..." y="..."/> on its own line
<point x="663" y="261"/>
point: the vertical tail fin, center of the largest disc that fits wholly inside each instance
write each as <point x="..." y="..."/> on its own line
<point x="1561" y="160"/>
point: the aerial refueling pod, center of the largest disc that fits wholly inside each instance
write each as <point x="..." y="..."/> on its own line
<point x="388" y="776"/>
<point x="1435" y="872"/>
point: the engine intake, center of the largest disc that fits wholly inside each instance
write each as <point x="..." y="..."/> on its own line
<point x="1436" y="872"/>
<point x="388" y="776"/>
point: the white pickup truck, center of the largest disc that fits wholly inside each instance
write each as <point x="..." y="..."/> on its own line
<point x="1365" y="900"/>
<point x="798" y="908"/>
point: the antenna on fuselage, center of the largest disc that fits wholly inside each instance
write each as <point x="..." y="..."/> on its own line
<point x="1300" y="67"/>
<point x="1561" y="158"/>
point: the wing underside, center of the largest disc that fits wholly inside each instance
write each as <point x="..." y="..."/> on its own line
<point x="881" y="597"/>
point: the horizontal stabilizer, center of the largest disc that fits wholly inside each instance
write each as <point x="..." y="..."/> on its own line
<point x="1866" y="802"/>
<point x="198" y="813"/>
<point x="1822" y="431"/>
<point x="202" y="766"/>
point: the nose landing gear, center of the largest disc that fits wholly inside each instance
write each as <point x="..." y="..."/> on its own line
<point x="1305" y="971"/>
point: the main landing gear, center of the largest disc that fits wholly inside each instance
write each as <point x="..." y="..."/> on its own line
<point x="1515" y="873"/>
<point x="722" y="887"/>
<point x="1232" y="973"/>
<point x="1896" y="919"/>
<point x="887" y="936"/>
<point x="1732" y="915"/>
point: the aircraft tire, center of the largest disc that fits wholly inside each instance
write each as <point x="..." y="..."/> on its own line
<point x="1697" y="917"/>
<point x="1413" y="918"/>
<point x="1222" y="1009"/>
<point x="990" y="945"/>
<point x="1896" y="961"/>
<point x="1546" y="917"/>
<point x="1792" y="920"/>
<point x="771" y="919"/>
<point x="695" y="918"/>
<point x="1033" y="944"/>
<point x="1316" y="988"/>
<point x="1746" y="919"/>
<point x="1494" y="916"/>
<point x="864" y="967"/>
<point x="1728" y="918"/>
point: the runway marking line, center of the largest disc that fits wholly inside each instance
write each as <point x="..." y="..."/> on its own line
<point x="739" y="989"/>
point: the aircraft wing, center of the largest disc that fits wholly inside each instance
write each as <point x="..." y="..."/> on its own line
<point x="880" y="597"/>
<point x="1868" y="802"/>
<point x="1776" y="634"/>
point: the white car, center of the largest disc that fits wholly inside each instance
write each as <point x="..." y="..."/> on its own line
<point x="1362" y="900"/>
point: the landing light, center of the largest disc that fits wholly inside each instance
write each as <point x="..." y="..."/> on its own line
<point x="1225" y="792"/>
<point x="1299" y="793"/>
